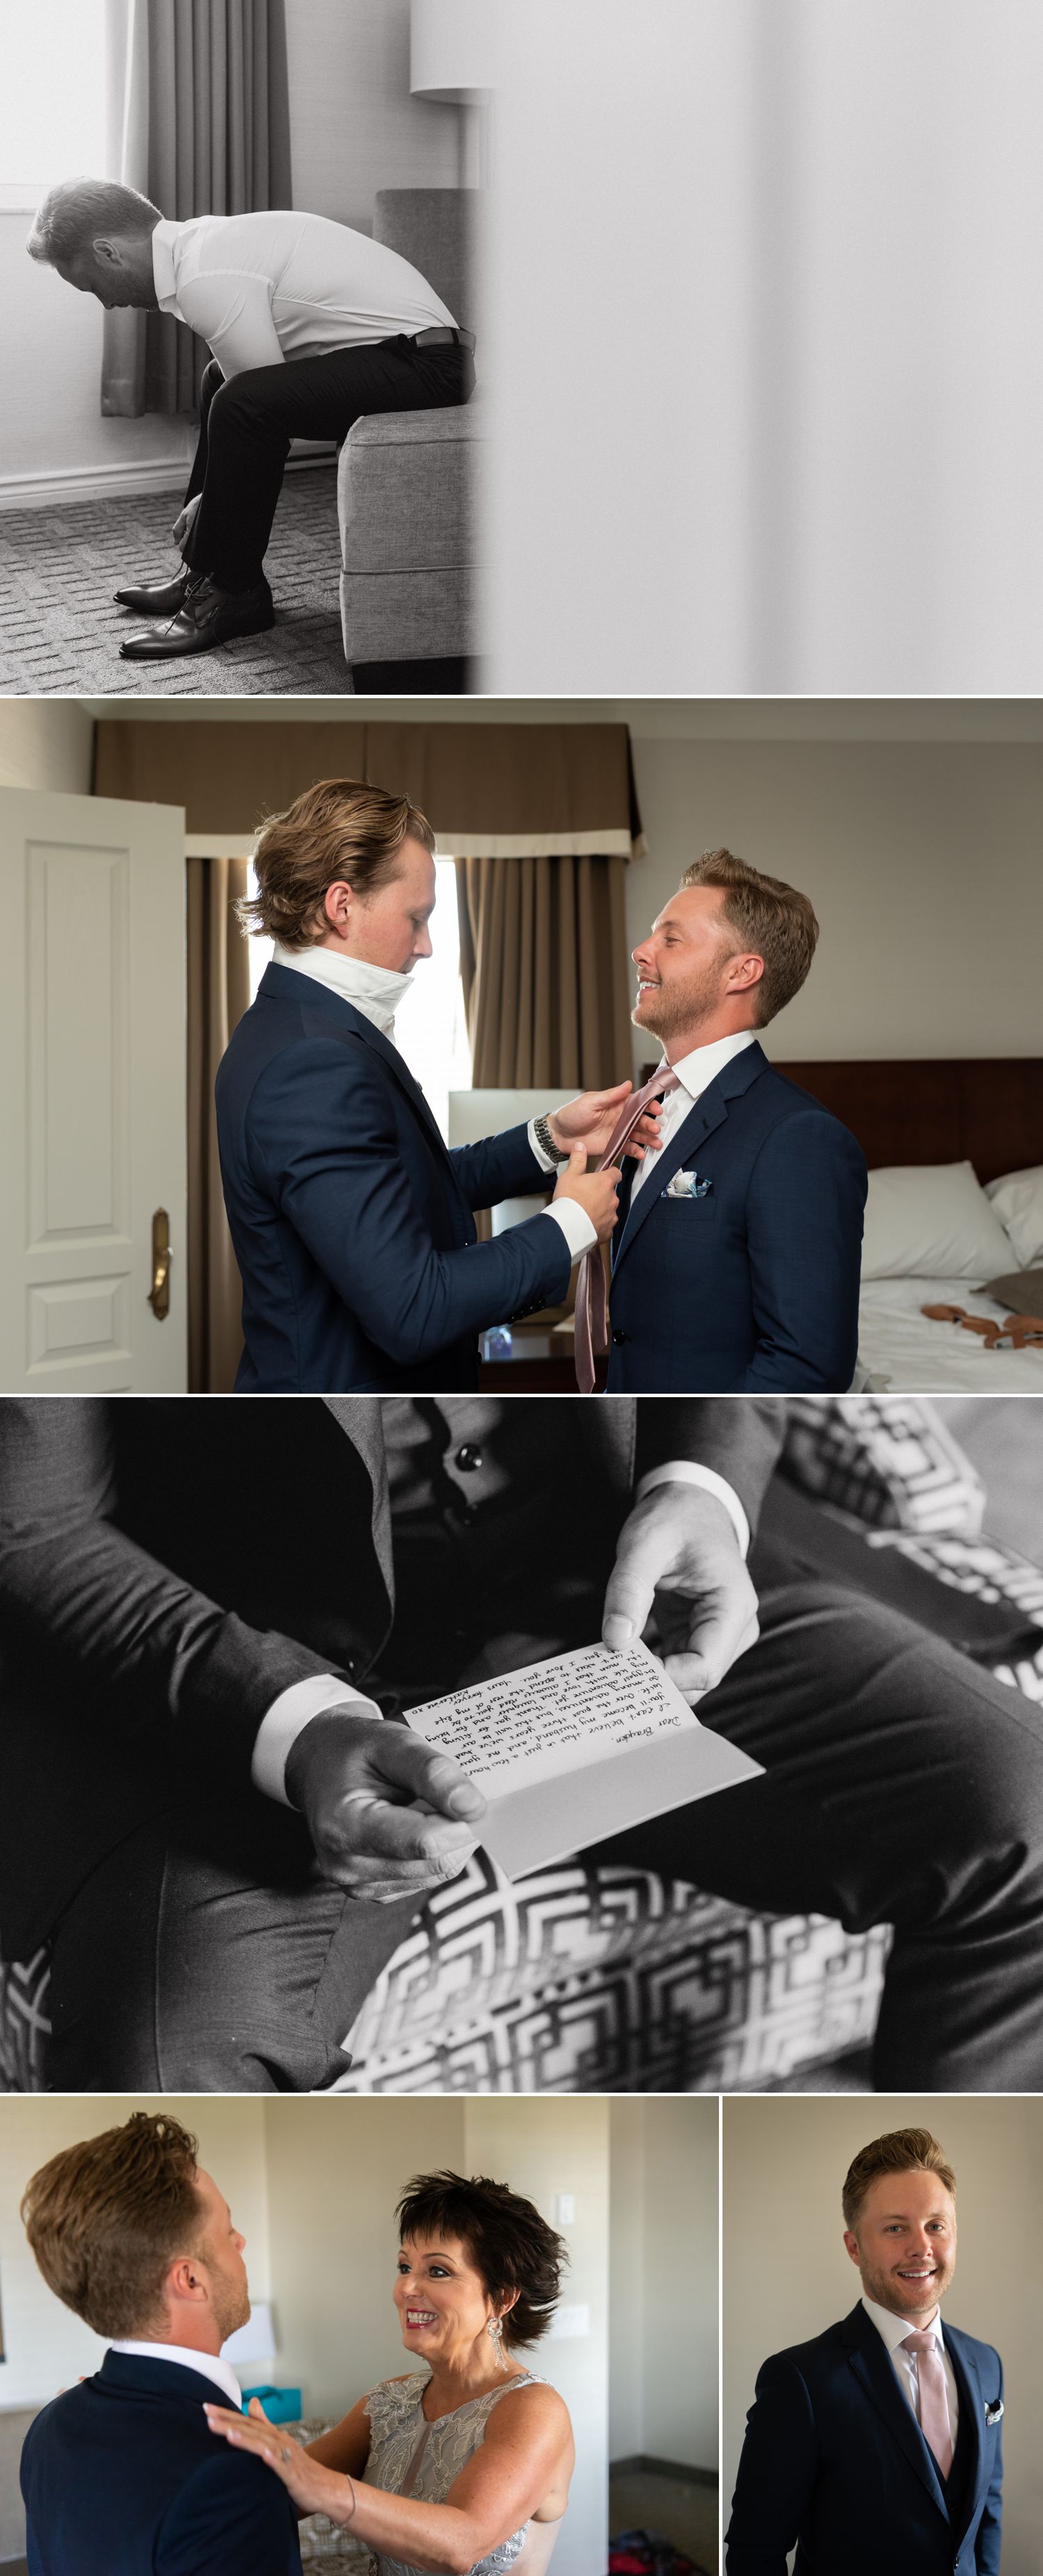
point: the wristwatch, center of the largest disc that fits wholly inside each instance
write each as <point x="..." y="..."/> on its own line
<point x="545" y="1140"/>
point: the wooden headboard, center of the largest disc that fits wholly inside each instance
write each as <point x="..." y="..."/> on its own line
<point x="985" y="1110"/>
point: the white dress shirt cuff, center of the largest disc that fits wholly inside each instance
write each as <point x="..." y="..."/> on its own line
<point x="575" y="1225"/>
<point x="546" y="1161"/>
<point x="286" y="1719"/>
<point x="684" y="1471"/>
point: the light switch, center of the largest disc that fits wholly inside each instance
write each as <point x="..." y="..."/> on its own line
<point x="570" y="2323"/>
<point x="565" y="2209"/>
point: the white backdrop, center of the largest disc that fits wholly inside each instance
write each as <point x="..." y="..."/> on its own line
<point x="763" y="329"/>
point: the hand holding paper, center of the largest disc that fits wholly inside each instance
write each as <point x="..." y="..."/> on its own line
<point x="679" y="1566"/>
<point x="576" y="1748"/>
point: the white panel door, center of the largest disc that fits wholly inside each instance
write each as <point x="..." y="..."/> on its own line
<point x="92" y="1068"/>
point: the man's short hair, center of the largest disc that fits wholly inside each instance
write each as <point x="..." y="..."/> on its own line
<point x="105" y="2220"/>
<point x="340" y="829"/>
<point x="79" y="211"/>
<point x="770" y="917"/>
<point x="899" y="2151"/>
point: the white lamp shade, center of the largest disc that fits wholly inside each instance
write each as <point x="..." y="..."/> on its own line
<point x="451" y="50"/>
<point x="253" y="2342"/>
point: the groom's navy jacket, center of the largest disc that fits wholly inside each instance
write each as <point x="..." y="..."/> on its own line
<point x="122" y="2477"/>
<point x="352" y="1222"/>
<point x="834" y="2462"/>
<point x="751" y="1286"/>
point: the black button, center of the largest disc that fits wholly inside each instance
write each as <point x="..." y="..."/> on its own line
<point x="618" y="1336"/>
<point x="468" y="1459"/>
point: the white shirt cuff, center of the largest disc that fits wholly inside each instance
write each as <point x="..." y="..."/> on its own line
<point x="684" y="1471"/>
<point x="286" y="1719"/>
<point x="546" y="1161"/>
<point x="575" y="1225"/>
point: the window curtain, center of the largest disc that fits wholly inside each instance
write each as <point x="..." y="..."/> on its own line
<point x="199" y="120"/>
<point x="218" y="993"/>
<point x="544" y="965"/>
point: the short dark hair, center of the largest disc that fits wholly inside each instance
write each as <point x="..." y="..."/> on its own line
<point x="898" y="2151"/>
<point x="507" y="2240"/>
<point x="77" y="211"/>
<point x="106" y="2218"/>
<point x="770" y="917"/>
<point x="340" y="828"/>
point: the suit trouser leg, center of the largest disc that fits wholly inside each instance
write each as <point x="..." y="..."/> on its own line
<point x="252" y="418"/>
<point x="902" y="1785"/>
<point x="213" y="1962"/>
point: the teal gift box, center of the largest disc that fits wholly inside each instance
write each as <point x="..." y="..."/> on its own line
<point x="281" y="2405"/>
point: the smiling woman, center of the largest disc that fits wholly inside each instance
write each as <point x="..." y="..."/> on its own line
<point x="467" y="2467"/>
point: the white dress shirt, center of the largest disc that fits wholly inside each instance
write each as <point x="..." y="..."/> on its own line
<point x="377" y="991"/>
<point x="261" y="288"/>
<point x="893" y="2330"/>
<point x="210" y="2365"/>
<point x="694" y="1073"/>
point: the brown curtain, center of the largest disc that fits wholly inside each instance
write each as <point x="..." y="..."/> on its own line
<point x="543" y="958"/>
<point x="218" y="993"/>
<point x="199" y="120"/>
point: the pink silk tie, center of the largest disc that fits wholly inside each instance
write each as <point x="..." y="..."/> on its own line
<point x="934" y="2403"/>
<point x="591" y="1296"/>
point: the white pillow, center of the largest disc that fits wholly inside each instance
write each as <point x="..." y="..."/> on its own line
<point x="1017" y="1198"/>
<point x="931" y="1221"/>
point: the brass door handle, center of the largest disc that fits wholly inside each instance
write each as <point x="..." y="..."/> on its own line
<point x="159" y="1293"/>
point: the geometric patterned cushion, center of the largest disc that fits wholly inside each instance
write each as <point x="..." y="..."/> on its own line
<point x="890" y="1464"/>
<point x="24" y="2025"/>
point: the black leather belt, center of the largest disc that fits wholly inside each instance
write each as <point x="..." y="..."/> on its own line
<point x="439" y="337"/>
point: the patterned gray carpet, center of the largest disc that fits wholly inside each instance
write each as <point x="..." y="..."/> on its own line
<point x="60" y="630"/>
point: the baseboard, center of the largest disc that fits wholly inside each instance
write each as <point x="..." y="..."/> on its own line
<point x="643" y="2465"/>
<point x="118" y="482"/>
<point x="92" y="483"/>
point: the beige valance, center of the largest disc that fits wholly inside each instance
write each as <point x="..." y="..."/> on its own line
<point x="495" y="790"/>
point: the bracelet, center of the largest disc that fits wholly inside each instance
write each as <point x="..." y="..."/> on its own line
<point x="354" y="2500"/>
<point x="543" y="1136"/>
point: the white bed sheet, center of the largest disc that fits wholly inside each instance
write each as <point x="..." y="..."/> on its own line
<point x="899" y="1349"/>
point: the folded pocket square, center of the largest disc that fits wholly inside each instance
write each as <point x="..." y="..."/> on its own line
<point x="686" y="1185"/>
<point x="993" y="2413"/>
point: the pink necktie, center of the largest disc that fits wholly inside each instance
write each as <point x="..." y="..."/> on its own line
<point x="934" y="2404"/>
<point x="591" y="1297"/>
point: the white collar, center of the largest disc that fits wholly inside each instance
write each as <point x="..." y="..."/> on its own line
<point x="376" y="991"/>
<point x="895" y="2329"/>
<point x="701" y="1067"/>
<point x="210" y="2365"/>
<point x="164" y="235"/>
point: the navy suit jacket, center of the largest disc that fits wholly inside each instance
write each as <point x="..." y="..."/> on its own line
<point x="751" y="1288"/>
<point x="835" y="2462"/>
<point x="122" y="2477"/>
<point x="352" y="1222"/>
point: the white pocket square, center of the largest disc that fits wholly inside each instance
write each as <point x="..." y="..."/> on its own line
<point x="993" y="2413"/>
<point x="686" y="1185"/>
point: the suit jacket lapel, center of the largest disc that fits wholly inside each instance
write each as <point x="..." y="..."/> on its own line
<point x="972" y="2413"/>
<point x="321" y="997"/>
<point x="873" y="2368"/>
<point x="706" y="1113"/>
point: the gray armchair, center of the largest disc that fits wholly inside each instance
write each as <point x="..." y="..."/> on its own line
<point x="405" y="496"/>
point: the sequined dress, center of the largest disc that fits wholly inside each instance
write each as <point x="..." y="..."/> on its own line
<point x="409" y="2456"/>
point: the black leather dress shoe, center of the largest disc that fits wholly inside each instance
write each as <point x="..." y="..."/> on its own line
<point x="207" y="616"/>
<point x="157" y="598"/>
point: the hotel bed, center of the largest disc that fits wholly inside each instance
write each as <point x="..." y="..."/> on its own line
<point x="955" y="1151"/>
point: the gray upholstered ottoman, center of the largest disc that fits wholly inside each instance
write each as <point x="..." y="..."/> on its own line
<point x="405" y="501"/>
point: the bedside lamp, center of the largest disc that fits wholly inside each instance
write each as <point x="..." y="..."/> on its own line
<point x="451" y="50"/>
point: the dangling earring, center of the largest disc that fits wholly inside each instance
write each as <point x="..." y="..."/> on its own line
<point x="494" y="2330"/>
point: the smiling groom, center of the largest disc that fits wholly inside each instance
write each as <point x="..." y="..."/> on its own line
<point x="736" y="1255"/>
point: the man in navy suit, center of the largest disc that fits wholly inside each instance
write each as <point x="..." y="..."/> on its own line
<point x="121" y="2475"/>
<point x="353" y="1225"/>
<point x="877" y="2445"/>
<point x="735" y="1260"/>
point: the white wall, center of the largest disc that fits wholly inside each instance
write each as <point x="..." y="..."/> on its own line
<point x="353" y="126"/>
<point x="663" y="2280"/>
<point x="46" y="2347"/>
<point x="787" y="2276"/>
<point x="46" y="742"/>
<point x="50" y="415"/>
<point x="924" y="862"/>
